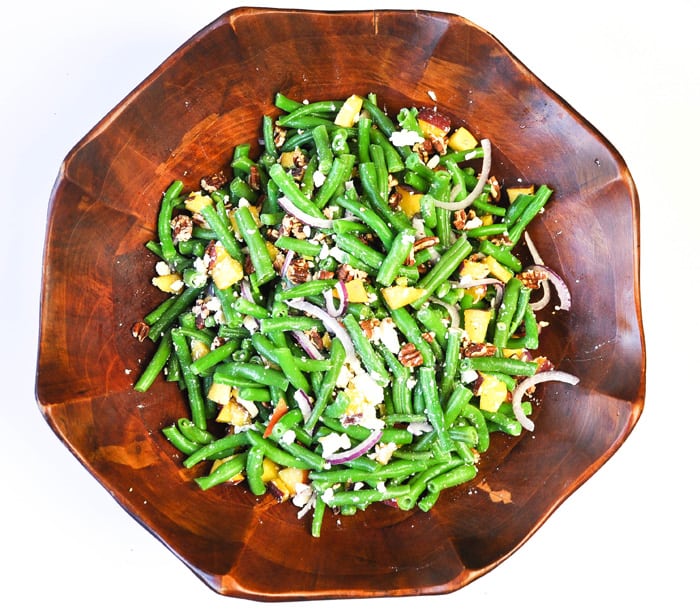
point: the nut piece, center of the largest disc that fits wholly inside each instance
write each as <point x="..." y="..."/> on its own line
<point x="532" y="278"/>
<point x="410" y="356"/>
<point x="140" y="331"/>
<point x="182" y="227"/>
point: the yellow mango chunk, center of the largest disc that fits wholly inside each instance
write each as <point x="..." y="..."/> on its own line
<point x="497" y="270"/>
<point x="198" y="349"/>
<point x="357" y="294"/>
<point x="461" y="139"/>
<point x="409" y="201"/>
<point x="292" y="477"/>
<point x="226" y="270"/>
<point x="474" y="270"/>
<point x="219" y="393"/>
<point x="492" y="393"/>
<point x="195" y="201"/>
<point x="348" y="113"/>
<point x="514" y="193"/>
<point x="397" y="296"/>
<point x="168" y="283"/>
<point x="476" y="324"/>
<point x="269" y="470"/>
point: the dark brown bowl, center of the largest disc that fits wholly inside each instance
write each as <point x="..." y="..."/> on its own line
<point x="183" y="121"/>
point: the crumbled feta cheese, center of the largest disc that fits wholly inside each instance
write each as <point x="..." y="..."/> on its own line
<point x="469" y="376"/>
<point x="327" y="495"/>
<point x="383" y="452"/>
<point x="405" y="138"/>
<point x="302" y="496"/>
<point x="251" y="324"/>
<point x="432" y="96"/>
<point x="176" y="286"/>
<point x="319" y="178"/>
<point x="288" y="437"/>
<point x="473" y="223"/>
<point x="162" y="268"/>
<point x="334" y="442"/>
<point x="419" y="427"/>
<point x="387" y="334"/>
<point x="433" y="162"/>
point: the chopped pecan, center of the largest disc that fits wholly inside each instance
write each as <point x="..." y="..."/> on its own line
<point x="298" y="271"/>
<point x="459" y="219"/>
<point x="426" y="242"/>
<point x="368" y="326"/>
<point x="478" y="349"/>
<point x="410" y="356"/>
<point x="495" y="190"/>
<point x="214" y="181"/>
<point x="279" y="135"/>
<point x="532" y="278"/>
<point x="428" y="336"/>
<point x="182" y="227"/>
<point x="140" y="331"/>
<point x="293" y="227"/>
<point x="326" y="275"/>
<point x="254" y="177"/>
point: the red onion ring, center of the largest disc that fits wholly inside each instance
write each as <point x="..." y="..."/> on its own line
<point x="306" y="345"/>
<point x="531" y="381"/>
<point x="537" y="260"/>
<point x="304" y="402"/>
<point x="361" y="448"/>
<point x="558" y="283"/>
<point x="331" y="309"/>
<point x="331" y="323"/>
<point x="287" y="261"/>
<point x="478" y="189"/>
<point x="312" y="221"/>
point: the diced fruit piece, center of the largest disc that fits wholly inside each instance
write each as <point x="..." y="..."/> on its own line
<point x="357" y="293"/>
<point x="396" y="296"/>
<point x="195" y="201"/>
<point x="219" y="393"/>
<point x="198" y="349"/>
<point x="433" y="123"/>
<point x="279" y="489"/>
<point x="233" y="413"/>
<point x="461" y="140"/>
<point x="515" y="192"/>
<point x="348" y="113"/>
<point x="225" y="270"/>
<point x="476" y="324"/>
<point x="492" y="393"/>
<point x="292" y="477"/>
<point x="497" y="270"/>
<point x="269" y="470"/>
<point x="168" y="283"/>
<point x="409" y="201"/>
<point x="475" y="270"/>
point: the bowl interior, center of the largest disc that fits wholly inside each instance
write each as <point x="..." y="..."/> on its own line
<point x="182" y="122"/>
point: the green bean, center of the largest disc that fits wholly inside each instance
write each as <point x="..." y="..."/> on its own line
<point x="223" y="472"/>
<point x="533" y="208"/>
<point x="308" y="289"/>
<point x="283" y="324"/>
<point x="506" y="311"/>
<point x="505" y="365"/>
<point x="502" y="254"/>
<point x="327" y="384"/>
<point x="165" y="234"/>
<point x="292" y="191"/>
<point x="454" y="477"/>
<point x="400" y="249"/>
<point x="324" y="108"/>
<point x="409" y="328"/>
<point x="362" y="498"/>
<point x="192" y="383"/>
<point x="181" y="442"/>
<point x="274" y="453"/>
<point x="255" y="373"/>
<point x="369" y="217"/>
<point x="193" y="433"/>
<point x="371" y="360"/>
<point x="444" y="268"/>
<point x="394" y="162"/>
<point x="302" y="247"/>
<point x="257" y="249"/>
<point x="208" y="361"/>
<point x="340" y="172"/>
<point x="222" y="231"/>
<point x="172" y="312"/>
<point x="155" y="314"/>
<point x="433" y="408"/>
<point x="156" y="365"/>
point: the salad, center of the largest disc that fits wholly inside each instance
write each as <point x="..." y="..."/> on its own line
<point x="345" y="311"/>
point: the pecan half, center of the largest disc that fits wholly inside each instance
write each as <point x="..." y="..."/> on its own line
<point x="532" y="278"/>
<point x="410" y="356"/>
<point x="298" y="271"/>
<point x="182" y="227"/>
<point x="140" y="331"/>
<point x="214" y="181"/>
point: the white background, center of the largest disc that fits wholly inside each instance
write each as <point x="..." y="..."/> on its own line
<point x="626" y="541"/>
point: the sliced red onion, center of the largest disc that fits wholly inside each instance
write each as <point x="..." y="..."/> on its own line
<point x="331" y="324"/>
<point x="331" y="308"/>
<point x="537" y="260"/>
<point x="246" y="292"/>
<point x="312" y="221"/>
<point x="531" y="381"/>
<point x="361" y="448"/>
<point x="306" y="345"/>
<point x="289" y="257"/>
<point x="304" y="402"/>
<point x="478" y="189"/>
<point x="558" y="282"/>
<point x="468" y="284"/>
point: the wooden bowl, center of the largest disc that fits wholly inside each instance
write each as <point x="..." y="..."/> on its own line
<point x="183" y="121"/>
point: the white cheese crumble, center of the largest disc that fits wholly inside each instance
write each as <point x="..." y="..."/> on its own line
<point x="419" y="427"/>
<point x="383" y="452"/>
<point x="405" y="138"/>
<point x="319" y="178"/>
<point x="288" y="437"/>
<point x="162" y="268"/>
<point x="334" y="442"/>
